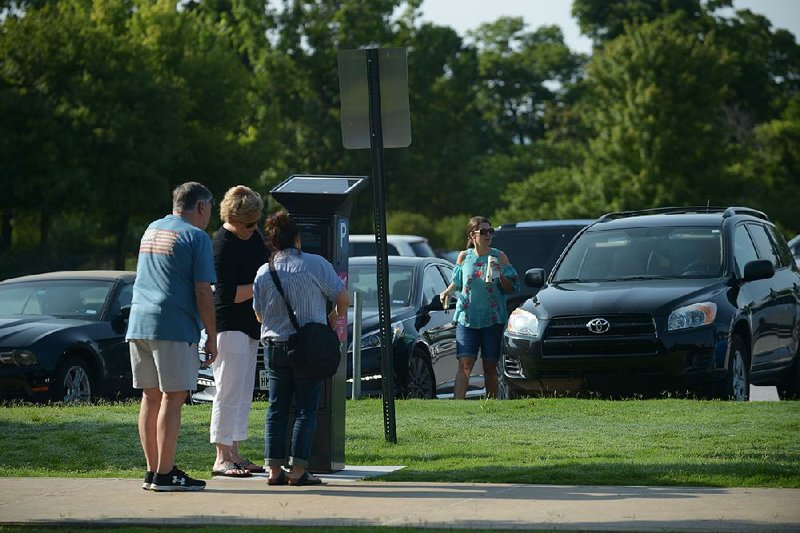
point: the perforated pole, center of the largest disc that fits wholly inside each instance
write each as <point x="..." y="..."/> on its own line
<point x="379" y="191"/>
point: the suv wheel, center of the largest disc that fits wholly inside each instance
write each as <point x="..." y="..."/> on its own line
<point x="736" y="386"/>
<point x="505" y="390"/>
<point x="789" y="386"/>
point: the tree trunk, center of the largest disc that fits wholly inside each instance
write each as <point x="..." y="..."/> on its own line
<point x="5" y="231"/>
<point x="44" y="230"/>
<point x="121" y="251"/>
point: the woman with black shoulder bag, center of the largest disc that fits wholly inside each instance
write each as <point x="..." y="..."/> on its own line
<point x="305" y="283"/>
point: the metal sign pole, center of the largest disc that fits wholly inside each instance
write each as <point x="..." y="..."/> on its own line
<point x="356" y="389"/>
<point x="379" y="192"/>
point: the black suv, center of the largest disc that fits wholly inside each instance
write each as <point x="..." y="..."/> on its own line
<point x="704" y="299"/>
<point x="536" y="243"/>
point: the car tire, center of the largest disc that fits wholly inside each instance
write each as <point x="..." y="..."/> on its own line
<point x="506" y="390"/>
<point x="789" y="386"/>
<point x="421" y="381"/>
<point x="74" y="381"/>
<point x="736" y="385"/>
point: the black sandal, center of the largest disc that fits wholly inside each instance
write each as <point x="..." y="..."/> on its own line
<point x="305" y="479"/>
<point x="282" y="479"/>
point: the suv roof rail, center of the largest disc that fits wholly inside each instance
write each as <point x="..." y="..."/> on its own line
<point x="729" y="212"/>
<point x="726" y="212"/>
<point x="546" y="223"/>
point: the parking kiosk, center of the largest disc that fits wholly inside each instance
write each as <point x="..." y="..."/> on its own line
<point x="321" y="206"/>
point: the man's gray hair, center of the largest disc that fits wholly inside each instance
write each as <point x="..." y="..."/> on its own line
<point x="186" y="195"/>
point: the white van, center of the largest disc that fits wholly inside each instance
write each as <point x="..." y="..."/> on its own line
<point x="410" y="245"/>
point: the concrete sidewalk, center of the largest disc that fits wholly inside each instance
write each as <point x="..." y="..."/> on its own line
<point x="343" y="502"/>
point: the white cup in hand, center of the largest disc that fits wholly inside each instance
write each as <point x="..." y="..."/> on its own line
<point x="492" y="269"/>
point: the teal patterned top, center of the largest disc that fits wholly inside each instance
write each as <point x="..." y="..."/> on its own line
<point x="481" y="304"/>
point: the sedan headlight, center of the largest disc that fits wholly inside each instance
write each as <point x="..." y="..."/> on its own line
<point x="373" y="339"/>
<point x="522" y="322"/>
<point x="692" y="316"/>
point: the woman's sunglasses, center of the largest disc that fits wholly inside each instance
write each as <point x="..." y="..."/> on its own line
<point x="485" y="231"/>
<point x="251" y="225"/>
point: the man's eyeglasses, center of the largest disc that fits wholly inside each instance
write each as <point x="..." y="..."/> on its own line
<point x="485" y="231"/>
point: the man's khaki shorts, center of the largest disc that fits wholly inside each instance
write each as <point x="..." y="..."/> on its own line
<point x="170" y="366"/>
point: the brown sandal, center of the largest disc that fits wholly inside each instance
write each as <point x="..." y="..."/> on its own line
<point x="230" y="469"/>
<point x="250" y="466"/>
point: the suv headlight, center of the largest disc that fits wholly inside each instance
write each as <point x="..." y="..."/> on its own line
<point x="522" y="322"/>
<point x="692" y="316"/>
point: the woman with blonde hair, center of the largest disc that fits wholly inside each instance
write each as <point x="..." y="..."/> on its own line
<point x="239" y="251"/>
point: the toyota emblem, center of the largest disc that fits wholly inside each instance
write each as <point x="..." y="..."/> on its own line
<point x="598" y="325"/>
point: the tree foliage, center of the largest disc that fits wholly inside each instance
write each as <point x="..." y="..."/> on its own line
<point x="107" y="105"/>
<point x="658" y="92"/>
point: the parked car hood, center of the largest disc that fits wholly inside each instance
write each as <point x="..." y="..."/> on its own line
<point x="656" y="297"/>
<point x="24" y="331"/>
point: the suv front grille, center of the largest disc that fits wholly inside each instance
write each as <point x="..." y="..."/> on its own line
<point x="627" y="335"/>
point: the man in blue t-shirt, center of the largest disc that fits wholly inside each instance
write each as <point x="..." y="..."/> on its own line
<point x="172" y="302"/>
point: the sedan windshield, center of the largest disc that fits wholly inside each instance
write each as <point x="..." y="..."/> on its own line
<point x="362" y="278"/>
<point x="643" y="253"/>
<point x="62" y="298"/>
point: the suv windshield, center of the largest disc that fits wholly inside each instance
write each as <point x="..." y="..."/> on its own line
<point x="643" y="253"/>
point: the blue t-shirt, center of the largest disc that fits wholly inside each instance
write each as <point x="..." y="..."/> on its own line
<point x="173" y="256"/>
<point x="481" y="304"/>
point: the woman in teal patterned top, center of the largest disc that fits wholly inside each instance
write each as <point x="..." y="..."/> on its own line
<point x="483" y="275"/>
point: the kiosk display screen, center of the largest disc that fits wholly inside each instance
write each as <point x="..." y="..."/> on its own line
<point x="314" y="239"/>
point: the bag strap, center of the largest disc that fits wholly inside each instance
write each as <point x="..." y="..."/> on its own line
<point x="278" y="285"/>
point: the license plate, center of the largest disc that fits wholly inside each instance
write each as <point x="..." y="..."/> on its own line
<point x="262" y="380"/>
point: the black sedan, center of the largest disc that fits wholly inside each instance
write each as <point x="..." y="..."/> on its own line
<point x="62" y="336"/>
<point x="423" y="334"/>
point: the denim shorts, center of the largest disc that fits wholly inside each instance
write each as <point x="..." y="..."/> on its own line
<point x="488" y="339"/>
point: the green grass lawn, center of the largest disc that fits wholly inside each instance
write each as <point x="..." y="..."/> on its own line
<point x="550" y="441"/>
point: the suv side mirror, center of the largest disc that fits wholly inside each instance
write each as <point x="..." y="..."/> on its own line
<point x="535" y="278"/>
<point x="759" y="269"/>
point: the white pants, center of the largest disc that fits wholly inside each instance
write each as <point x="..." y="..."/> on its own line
<point x="234" y="375"/>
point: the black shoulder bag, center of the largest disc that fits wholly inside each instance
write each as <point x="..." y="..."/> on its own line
<point x="314" y="351"/>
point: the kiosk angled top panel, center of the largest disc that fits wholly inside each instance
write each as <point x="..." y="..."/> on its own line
<point x="321" y="195"/>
